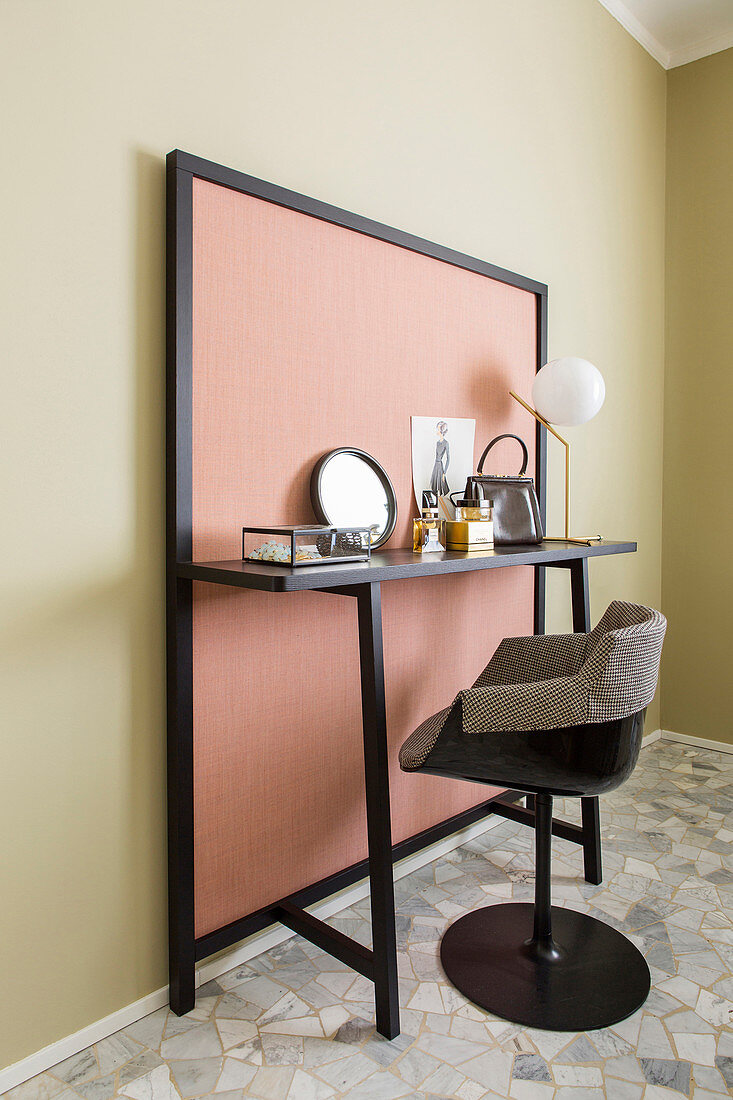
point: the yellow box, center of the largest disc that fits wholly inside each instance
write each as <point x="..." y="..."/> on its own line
<point x="469" y="535"/>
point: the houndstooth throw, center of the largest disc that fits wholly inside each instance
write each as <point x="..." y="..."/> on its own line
<point x="552" y="681"/>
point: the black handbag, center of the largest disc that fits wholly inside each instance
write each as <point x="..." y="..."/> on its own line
<point x="517" y="516"/>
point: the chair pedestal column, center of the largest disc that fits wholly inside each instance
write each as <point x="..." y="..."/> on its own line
<point x="542" y="947"/>
<point x="543" y="966"/>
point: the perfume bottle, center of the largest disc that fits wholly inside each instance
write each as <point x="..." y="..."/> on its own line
<point x="426" y="530"/>
<point x="470" y="507"/>
<point x="473" y="527"/>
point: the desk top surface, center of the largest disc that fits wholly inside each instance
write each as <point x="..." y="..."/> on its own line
<point x="390" y="565"/>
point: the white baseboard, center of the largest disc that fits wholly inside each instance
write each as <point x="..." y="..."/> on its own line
<point x="698" y="742"/>
<point x="650" y="738"/>
<point x="51" y="1055"/>
<point x="72" y="1044"/>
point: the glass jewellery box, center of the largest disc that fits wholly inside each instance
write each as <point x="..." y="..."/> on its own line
<point x="305" y="544"/>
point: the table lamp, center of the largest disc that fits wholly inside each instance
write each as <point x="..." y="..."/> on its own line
<point x="567" y="392"/>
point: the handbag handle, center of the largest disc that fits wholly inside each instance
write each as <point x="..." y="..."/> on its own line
<point x="507" y="435"/>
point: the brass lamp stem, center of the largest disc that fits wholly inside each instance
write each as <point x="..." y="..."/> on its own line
<point x="566" y="445"/>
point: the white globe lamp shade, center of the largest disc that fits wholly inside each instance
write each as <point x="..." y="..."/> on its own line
<point x="568" y="391"/>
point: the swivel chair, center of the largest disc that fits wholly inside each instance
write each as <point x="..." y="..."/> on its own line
<point x="549" y="715"/>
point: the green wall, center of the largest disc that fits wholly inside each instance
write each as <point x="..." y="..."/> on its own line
<point x="527" y="132"/>
<point x="697" y="585"/>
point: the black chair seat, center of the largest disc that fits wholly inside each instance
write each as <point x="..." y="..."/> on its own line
<point x="571" y="761"/>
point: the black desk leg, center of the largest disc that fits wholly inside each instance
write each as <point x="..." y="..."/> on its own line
<point x="589" y="806"/>
<point x="181" y="935"/>
<point x="580" y="597"/>
<point x="379" y="829"/>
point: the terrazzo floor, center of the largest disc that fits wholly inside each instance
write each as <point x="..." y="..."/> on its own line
<point x="294" y="1024"/>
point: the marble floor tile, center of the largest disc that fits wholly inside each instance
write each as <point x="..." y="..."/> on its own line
<point x="416" y="1066"/>
<point x="493" y="1070"/>
<point x="385" y="1087"/>
<point x="80" y="1067"/>
<point x="195" y="1076"/>
<point x="300" y="1025"/>
<point x="100" y="1088"/>
<point x="156" y="1085"/>
<point x="306" y="1087"/>
<point x="295" y="1024"/>
<point x="282" y="1050"/>
<point x="137" y="1067"/>
<point x="271" y="1082"/>
<point x="667" y="1073"/>
<point x="148" y="1031"/>
<point x="531" y="1067"/>
<point x="699" y="1049"/>
<point x="347" y="1072"/>
<point x="234" y="1075"/>
<point x="201" y="1042"/>
<point x="446" y="1081"/>
<point x="41" y="1087"/>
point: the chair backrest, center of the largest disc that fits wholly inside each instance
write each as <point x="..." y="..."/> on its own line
<point x="621" y="664"/>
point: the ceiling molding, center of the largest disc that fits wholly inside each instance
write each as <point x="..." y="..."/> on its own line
<point x="668" y="59"/>
<point x="704" y="48"/>
<point x="638" y="31"/>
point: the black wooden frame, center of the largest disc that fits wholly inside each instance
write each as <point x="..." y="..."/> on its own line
<point x="184" y="948"/>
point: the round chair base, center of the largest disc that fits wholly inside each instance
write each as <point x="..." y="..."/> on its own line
<point x="599" y="978"/>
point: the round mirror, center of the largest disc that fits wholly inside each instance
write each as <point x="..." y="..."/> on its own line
<point x="350" y="489"/>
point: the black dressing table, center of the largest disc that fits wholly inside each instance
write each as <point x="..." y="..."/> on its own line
<point x="362" y="581"/>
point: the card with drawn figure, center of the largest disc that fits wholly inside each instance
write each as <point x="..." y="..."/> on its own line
<point x="442" y="456"/>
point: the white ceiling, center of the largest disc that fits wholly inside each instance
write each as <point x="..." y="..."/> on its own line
<point x="676" y="31"/>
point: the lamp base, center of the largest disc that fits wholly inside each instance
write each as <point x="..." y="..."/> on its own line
<point x="583" y="540"/>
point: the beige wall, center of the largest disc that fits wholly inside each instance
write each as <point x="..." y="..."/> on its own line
<point x="698" y="440"/>
<point x="528" y="133"/>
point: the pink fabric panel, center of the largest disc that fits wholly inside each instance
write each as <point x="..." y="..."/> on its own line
<point x="308" y="337"/>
